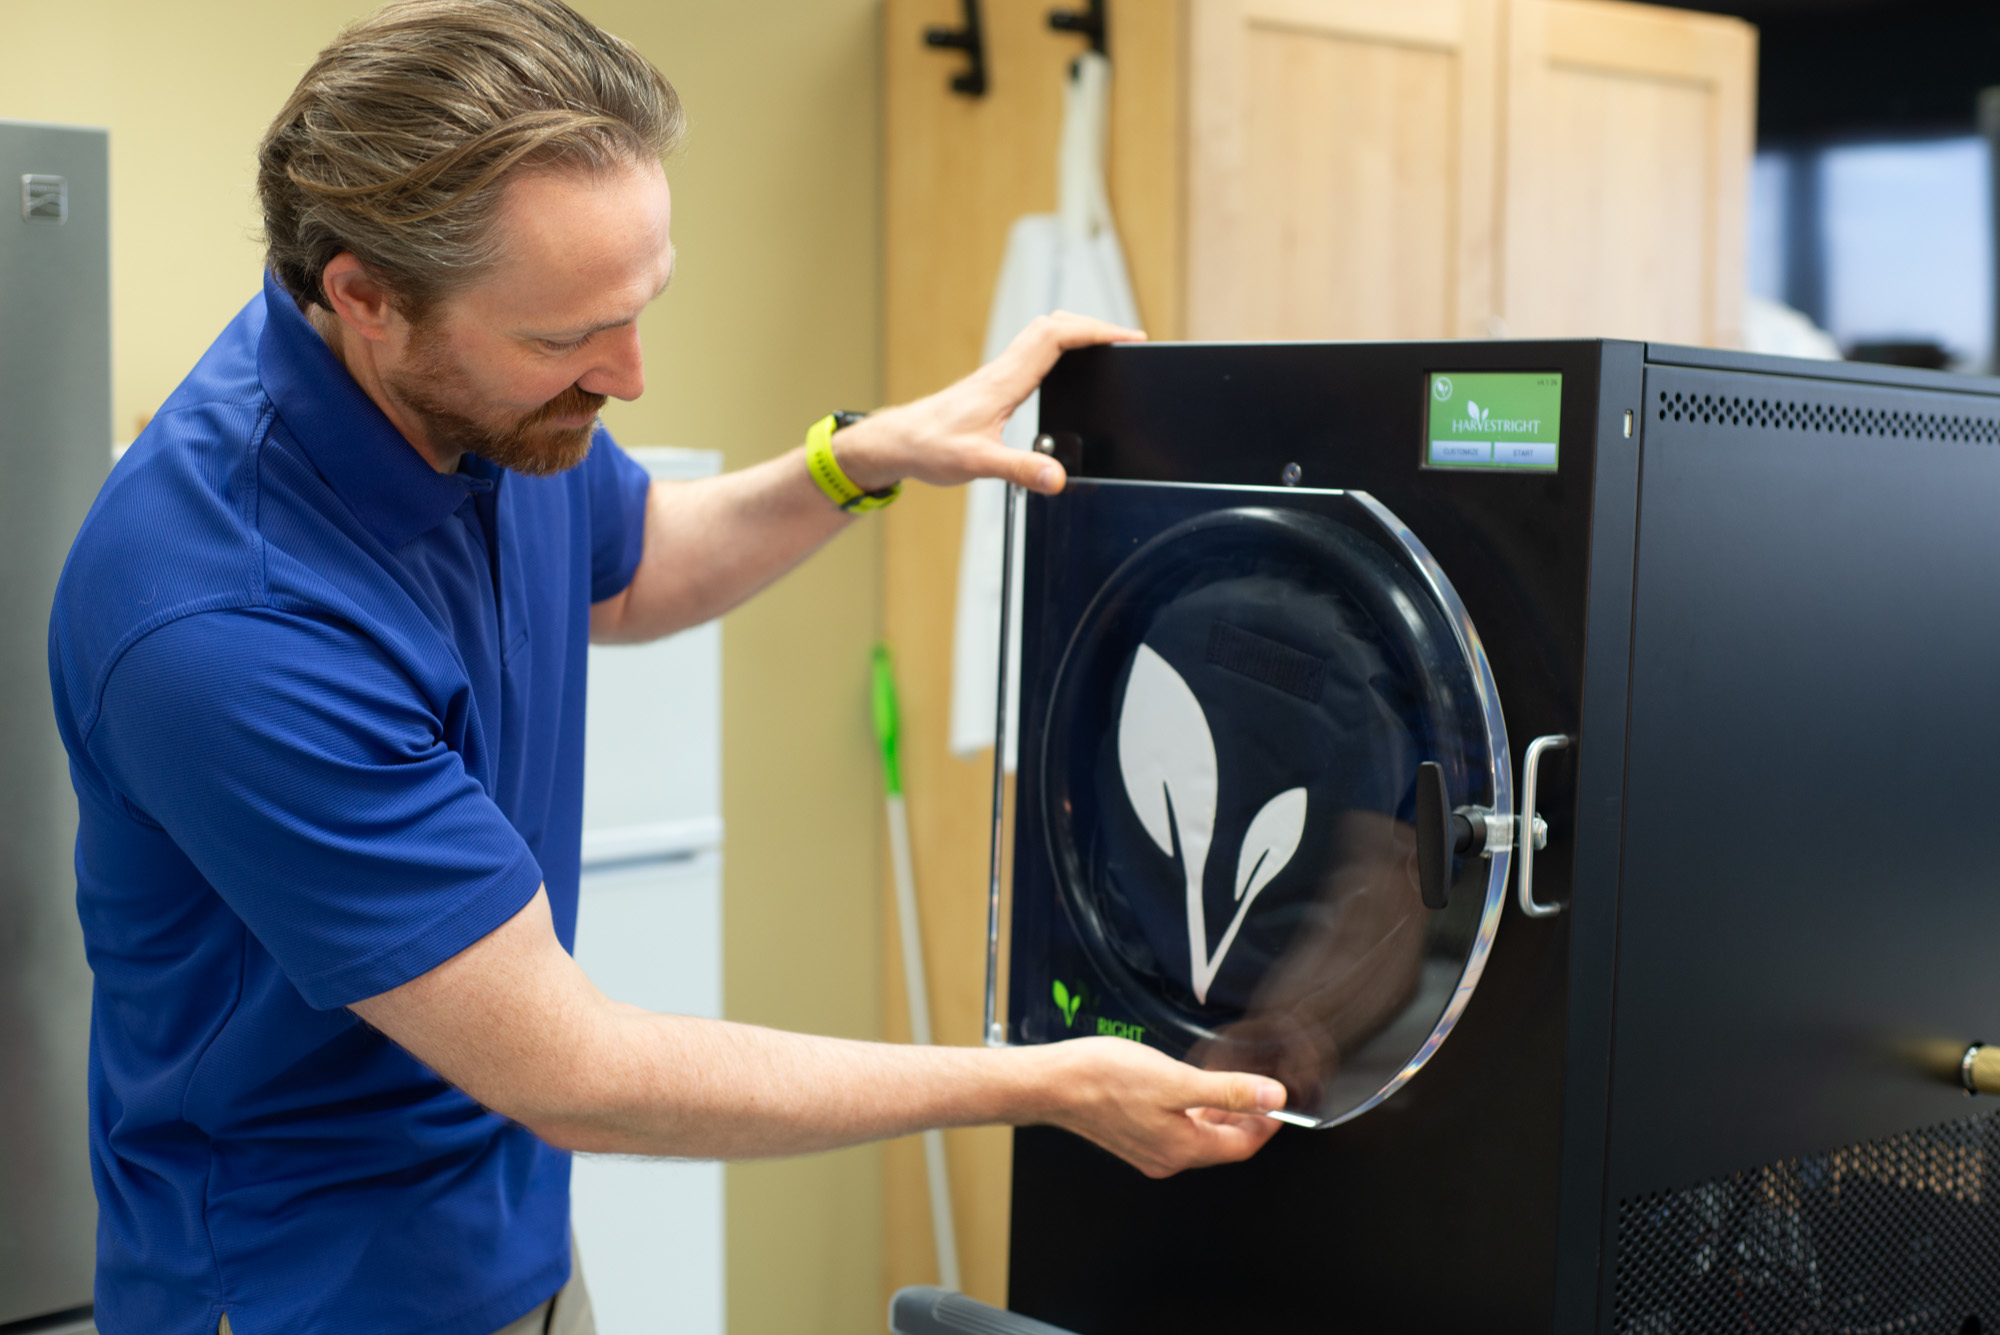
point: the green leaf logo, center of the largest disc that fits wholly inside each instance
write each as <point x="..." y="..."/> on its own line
<point x="1066" y="1003"/>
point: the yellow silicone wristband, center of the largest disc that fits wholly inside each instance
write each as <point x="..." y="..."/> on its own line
<point x="839" y="488"/>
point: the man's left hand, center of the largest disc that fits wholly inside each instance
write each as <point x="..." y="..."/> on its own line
<point x="954" y="435"/>
<point x="711" y="544"/>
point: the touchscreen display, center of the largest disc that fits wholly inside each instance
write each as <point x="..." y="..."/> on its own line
<point x="1493" y="419"/>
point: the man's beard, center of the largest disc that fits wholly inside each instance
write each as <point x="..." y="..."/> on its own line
<point x="532" y="444"/>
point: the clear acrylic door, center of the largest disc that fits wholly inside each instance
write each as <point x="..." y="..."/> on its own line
<point x="1230" y="768"/>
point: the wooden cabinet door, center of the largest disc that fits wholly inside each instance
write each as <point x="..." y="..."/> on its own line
<point x="1340" y="168"/>
<point x="1626" y="162"/>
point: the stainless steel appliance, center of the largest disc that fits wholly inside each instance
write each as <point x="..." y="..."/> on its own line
<point x="55" y="447"/>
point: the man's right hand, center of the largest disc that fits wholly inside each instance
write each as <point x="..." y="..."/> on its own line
<point x="514" y="1022"/>
<point x="1155" y="1113"/>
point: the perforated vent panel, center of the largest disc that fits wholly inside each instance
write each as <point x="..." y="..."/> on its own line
<point x="1804" y="415"/>
<point x="1894" y="1235"/>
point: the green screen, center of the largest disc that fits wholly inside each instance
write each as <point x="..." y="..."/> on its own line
<point x="1493" y="419"/>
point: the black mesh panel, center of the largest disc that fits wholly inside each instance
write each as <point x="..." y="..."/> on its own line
<point x="1894" y="1235"/>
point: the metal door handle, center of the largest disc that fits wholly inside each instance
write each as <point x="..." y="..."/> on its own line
<point x="1531" y="767"/>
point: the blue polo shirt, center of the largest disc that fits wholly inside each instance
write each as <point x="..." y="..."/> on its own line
<point x="324" y="712"/>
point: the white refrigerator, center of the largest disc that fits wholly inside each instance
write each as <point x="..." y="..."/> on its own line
<point x="649" y="932"/>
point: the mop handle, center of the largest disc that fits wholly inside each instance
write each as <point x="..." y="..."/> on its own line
<point x="944" y="1235"/>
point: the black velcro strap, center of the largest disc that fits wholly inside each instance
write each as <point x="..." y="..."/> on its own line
<point x="1279" y="666"/>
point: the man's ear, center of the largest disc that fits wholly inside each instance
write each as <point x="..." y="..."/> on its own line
<point x="359" y="300"/>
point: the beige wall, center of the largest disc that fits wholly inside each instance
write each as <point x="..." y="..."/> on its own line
<point x="773" y="319"/>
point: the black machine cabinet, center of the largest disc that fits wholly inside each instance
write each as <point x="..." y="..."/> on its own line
<point x="1696" y="1090"/>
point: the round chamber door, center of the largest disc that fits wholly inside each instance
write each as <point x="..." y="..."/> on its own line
<point x="1232" y="757"/>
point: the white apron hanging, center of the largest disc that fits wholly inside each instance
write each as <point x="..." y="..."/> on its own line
<point x="1068" y="260"/>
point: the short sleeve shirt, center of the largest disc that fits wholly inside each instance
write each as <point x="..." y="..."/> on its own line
<point x="324" y="712"/>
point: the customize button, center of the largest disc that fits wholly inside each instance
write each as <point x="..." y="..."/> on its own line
<point x="1461" y="452"/>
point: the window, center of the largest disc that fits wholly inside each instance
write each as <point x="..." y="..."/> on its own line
<point x="1884" y="242"/>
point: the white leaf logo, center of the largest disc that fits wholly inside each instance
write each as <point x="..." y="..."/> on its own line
<point x="1477" y="413"/>
<point x="1272" y="839"/>
<point x="1166" y="756"/>
<point x="1168" y="761"/>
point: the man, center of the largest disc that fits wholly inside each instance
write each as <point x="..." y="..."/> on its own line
<point x="318" y="657"/>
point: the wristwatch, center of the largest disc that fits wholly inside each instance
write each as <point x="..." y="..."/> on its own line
<point x="840" y="488"/>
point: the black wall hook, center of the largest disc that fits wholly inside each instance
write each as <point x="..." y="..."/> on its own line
<point x="1092" y="22"/>
<point x="971" y="39"/>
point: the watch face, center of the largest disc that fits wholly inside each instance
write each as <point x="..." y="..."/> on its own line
<point x="1230" y="761"/>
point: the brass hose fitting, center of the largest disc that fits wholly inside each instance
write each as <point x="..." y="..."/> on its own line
<point x="1979" y="1069"/>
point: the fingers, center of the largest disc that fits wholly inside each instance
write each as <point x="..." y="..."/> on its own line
<point x="1060" y="332"/>
<point x="980" y="404"/>
<point x="1082" y="331"/>
<point x="1217" y="1117"/>
<point x="1035" y="349"/>
<point x="928" y="440"/>
<point x="1203" y="1139"/>
<point x="1234" y="1091"/>
<point x="1227" y="1139"/>
<point x="1222" y="1121"/>
<point x="966" y="460"/>
<point x="1158" y="1114"/>
<point x="1036" y="472"/>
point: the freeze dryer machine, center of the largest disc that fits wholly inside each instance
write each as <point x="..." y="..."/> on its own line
<point x="1573" y="768"/>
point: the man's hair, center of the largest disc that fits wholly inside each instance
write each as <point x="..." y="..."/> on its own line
<point x="398" y="142"/>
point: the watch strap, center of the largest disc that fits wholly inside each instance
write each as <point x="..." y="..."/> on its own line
<point x="826" y="471"/>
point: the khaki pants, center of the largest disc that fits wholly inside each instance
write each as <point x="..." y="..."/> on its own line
<point x="568" y="1313"/>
